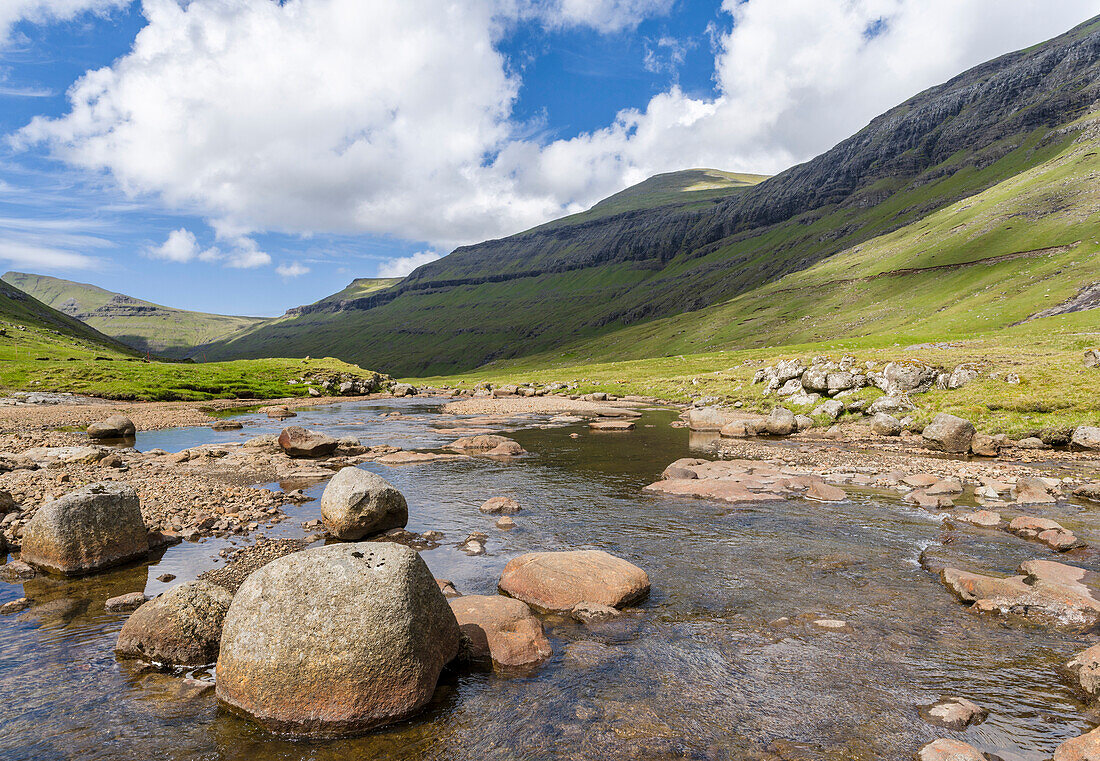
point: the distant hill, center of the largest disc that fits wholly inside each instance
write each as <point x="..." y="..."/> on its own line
<point x="965" y="190"/>
<point x="31" y="330"/>
<point x="143" y="325"/>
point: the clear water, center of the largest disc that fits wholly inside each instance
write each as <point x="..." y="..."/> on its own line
<point x="703" y="674"/>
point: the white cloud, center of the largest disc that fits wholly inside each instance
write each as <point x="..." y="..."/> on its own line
<point x="402" y="117"/>
<point x="294" y="269"/>
<point x="37" y="258"/>
<point x="403" y="265"/>
<point x="45" y="11"/>
<point x="181" y="247"/>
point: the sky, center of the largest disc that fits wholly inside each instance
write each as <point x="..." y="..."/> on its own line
<point x="247" y="156"/>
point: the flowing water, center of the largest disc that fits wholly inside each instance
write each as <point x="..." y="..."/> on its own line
<point x="706" y="672"/>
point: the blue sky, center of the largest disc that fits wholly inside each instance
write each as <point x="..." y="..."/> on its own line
<point x="246" y="156"/>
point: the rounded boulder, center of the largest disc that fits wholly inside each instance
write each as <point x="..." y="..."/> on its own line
<point x="357" y="503"/>
<point x="502" y="630"/>
<point x="182" y="627"/>
<point x="87" y="530"/>
<point x="558" y="581"/>
<point x="299" y="442"/>
<point x="336" y="640"/>
<point x="114" y="427"/>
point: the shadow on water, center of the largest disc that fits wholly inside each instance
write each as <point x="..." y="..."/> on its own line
<point x="707" y="672"/>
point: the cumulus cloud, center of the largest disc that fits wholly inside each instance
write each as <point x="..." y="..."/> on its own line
<point x="182" y="247"/>
<point x="396" y="118"/>
<point x="43" y="11"/>
<point x="293" y="269"/>
<point x="403" y="265"/>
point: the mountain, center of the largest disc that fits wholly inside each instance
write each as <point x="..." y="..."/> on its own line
<point x="143" y="325"/>
<point x="645" y="269"/>
<point x="31" y="330"/>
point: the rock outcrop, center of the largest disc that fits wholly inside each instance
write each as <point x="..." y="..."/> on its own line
<point x="182" y="627"/>
<point x="336" y="640"/>
<point x="558" y="581"/>
<point x="87" y="530"/>
<point x="357" y="503"/>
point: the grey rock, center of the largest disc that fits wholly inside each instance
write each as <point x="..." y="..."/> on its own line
<point x="1086" y="437"/>
<point x="87" y="530"/>
<point x="182" y="627"/>
<point x="906" y="377"/>
<point x="891" y="405"/>
<point x="839" y="381"/>
<point x="1092" y="358"/>
<point x="357" y="503"/>
<point x="948" y="433"/>
<point x="336" y="640"/>
<point x="781" y="422"/>
<point x="831" y="408"/>
<point x="816" y="379"/>
<point x="114" y="427"/>
<point x="885" y="425"/>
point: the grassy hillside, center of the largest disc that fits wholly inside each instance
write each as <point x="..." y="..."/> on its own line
<point x="360" y="287"/>
<point x="709" y="269"/>
<point x="141" y="324"/>
<point x="42" y="349"/>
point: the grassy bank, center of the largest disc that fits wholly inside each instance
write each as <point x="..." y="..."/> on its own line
<point x="1055" y="390"/>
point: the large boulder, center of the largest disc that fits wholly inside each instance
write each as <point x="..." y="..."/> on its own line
<point x="1086" y="437"/>
<point x="487" y="442"/>
<point x="1083" y="748"/>
<point x="890" y="405"/>
<point x="949" y="750"/>
<point x="885" y="425"/>
<point x="781" y="422"/>
<point x="114" y="427"/>
<point x="336" y="640"/>
<point x="299" y="442"/>
<point x="705" y="419"/>
<point x="558" y="581"/>
<point x="502" y="630"/>
<point x="87" y="530"/>
<point x="357" y="503"/>
<point x="906" y="377"/>
<point x="948" y="433"/>
<point x="182" y="627"/>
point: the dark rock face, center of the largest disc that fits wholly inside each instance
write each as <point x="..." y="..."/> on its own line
<point x="336" y="640"/>
<point x="87" y="530"/>
<point x="182" y="627"/>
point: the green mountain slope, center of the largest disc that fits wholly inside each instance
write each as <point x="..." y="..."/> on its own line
<point x="720" y="254"/>
<point x="141" y="324"/>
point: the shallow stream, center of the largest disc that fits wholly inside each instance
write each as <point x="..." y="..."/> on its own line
<point x="705" y="673"/>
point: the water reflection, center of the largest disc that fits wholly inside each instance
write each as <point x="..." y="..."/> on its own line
<point x="707" y="672"/>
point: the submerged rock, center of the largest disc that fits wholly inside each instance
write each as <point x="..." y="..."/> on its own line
<point x="125" y="603"/>
<point x="501" y="630"/>
<point x="357" y="503"/>
<point x="953" y="713"/>
<point x="336" y="640"/>
<point x="182" y="627"/>
<point x="87" y="530"/>
<point x="480" y="443"/>
<point x="559" y="581"/>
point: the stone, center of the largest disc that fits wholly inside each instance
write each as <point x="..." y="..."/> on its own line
<point x="984" y="445"/>
<point x="1086" y="437"/>
<point x="299" y="442"/>
<point x="949" y="750"/>
<point x="984" y="518"/>
<point x="505" y="505"/>
<point x="948" y="433"/>
<point x="803" y="422"/>
<point x="781" y="422"/>
<point x="591" y="612"/>
<point x="447" y="587"/>
<point x="885" y="425"/>
<point x="1092" y="358"/>
<point x="14" y="606"/>
<point x="1083" y="748"/>
<point x="922" y="498"/>
<point x="404" y="389"/>
<point x="891" y="405"/>
<point x="705" y="419"/>
<point x="87" y="530"/>
<point x="182" y="627"/>
<point x="280" y="412"/>
<point x="505" y="523"/>
<point x="735" y="430"/>
<point x="946" y="486"/>
<point x="1032" y="491"/>
<point x="507" y="449"/>
<point x="313" y="391"/>
<point x="114" y="427"/>
<point x="336" y="640"/>
<point x="226" y="425"/>
<point x="501" y="630"/>
<point x="480" y="443"/>
<point x="839" y="381"/>
<point x="1032" y="442"/>
<point x="17" y="570"/>
<point x="816" y="379"/>
<point x="953" y="713"/>
<point x="612" y="425"/>
<point x="1030" y="527"/>
<point x="831" y="408"/>
<point x="1090" y="491"/>
<point x="1085" y="670"/>
<point x="357" y="503"/>
<point x="559" y="581"/>
<point x="907" y="377"/>
<point x="823" y="492"/>
<point x="125" y="603"/>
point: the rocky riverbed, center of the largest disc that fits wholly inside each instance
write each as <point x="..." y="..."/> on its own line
<point x="814" y="572"/>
